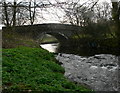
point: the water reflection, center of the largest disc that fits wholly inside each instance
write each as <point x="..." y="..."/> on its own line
<point x="52" y="47"/>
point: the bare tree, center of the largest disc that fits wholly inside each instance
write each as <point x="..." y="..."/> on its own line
<point x="19" y="13"/>
<point x="32" y="12"/>
<point x="0" y="13"/>
<point x="102" y="12"/>
<point x="14" y="12"/>
<point x="9" y="13"/>
<point x="77" y="13"/>
<point x="5" y="16"/>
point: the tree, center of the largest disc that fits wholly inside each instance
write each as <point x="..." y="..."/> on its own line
<point x="77" y="13"/>
<point x="116" y="18"/>
<point x="32" y="12"/>
<point x="19" y="13"/>
<point x="0" y="13"/>
<point x="9" y="13"/>
<point x="5" y="16"/>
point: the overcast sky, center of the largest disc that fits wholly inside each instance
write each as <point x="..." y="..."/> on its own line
<point x="51" y="17"/>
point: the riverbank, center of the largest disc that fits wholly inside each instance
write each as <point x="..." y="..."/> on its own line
<point x="34" y="69"/>
<point x="99" y="72"/>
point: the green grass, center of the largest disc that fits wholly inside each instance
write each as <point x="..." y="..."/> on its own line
<point x="34" y="69"/>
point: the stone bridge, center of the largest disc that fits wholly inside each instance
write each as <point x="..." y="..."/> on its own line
<point x="62" y="32"/>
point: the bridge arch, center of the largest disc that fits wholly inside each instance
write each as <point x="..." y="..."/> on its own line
<point x="62" y="32"/>
<point x="63" y="39"/>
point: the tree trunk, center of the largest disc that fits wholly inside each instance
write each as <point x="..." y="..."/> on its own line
<point x="32" y="13"/>
<point x="116" y="15"/>
<point x="6" y="15"/>
<point x="14" y="14"/>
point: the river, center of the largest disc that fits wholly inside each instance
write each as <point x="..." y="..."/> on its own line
<point x="51" y="47"/>
<point x="98" y="72"/>
<point x="51" y="44"/>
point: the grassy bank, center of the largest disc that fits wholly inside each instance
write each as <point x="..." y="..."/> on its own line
<point x="34" y="69"/>
<point x="12" y="39"/>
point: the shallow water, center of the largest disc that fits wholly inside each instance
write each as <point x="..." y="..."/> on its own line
<point x="52" y="47"/>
